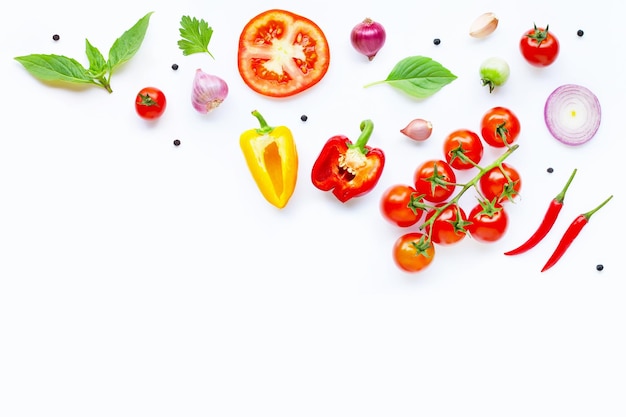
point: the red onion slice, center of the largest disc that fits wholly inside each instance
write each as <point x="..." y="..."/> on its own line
<point x="572" y="114"/>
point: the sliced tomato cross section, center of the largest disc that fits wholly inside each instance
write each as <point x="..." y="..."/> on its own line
<point x="282" y="54"/>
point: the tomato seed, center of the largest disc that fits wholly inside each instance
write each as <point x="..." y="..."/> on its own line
<point x="56" y="37"/>
<point x="599" y="267"/>
<point x="174" y="67"/>
<point x="580" y="32"/>
<point x="176" y="142"/>
<point x="304" y="118"/>
<point x="436" y="41"/>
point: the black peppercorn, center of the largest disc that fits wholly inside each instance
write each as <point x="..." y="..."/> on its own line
<point x="550" y="170"/>
<point x="56" y="37"/>
<point x="437" y="41"/>
<point x="304" y="118"/>
<point x="174" y="67"/>
<point x="599" y="267"/>
<point x="580" y="32"/>
<point x="176" y="142"/>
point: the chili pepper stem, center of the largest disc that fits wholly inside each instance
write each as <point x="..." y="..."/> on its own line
<point x="561" y="196"/>
<point x="588" y="214"/>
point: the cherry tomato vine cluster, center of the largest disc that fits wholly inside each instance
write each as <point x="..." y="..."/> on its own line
<point x="432" y="201"/>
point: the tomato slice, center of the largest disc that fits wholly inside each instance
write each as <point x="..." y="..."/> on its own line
<point x="282" y="53"/>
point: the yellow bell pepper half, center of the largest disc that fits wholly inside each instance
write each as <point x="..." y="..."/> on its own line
<point x="272" y="159"/>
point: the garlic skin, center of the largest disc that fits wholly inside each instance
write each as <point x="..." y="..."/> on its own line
<point x="484" y="25"/>
<point x="418" y="129"/>
<point x="208" y="92"/>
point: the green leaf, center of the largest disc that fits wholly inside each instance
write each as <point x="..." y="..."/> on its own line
<point x="127" y="45"/>
<point x="196" y="35"/>
<point x="418" y="76"/>
<point x="55" y="68"/>
<point x="97" y="63"/>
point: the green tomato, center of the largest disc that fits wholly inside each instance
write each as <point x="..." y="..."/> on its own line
<point x="494" y="72"/>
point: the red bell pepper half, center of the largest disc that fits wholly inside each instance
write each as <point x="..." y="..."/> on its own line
<point x="349" y="170"/>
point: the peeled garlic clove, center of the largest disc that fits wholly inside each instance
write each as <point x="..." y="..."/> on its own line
<point x="418" y="129"/>
<point x="484" y="25"/>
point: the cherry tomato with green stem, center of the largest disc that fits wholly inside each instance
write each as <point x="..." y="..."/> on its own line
<point x="463" y="149"/>
<point x="501" y="183"/>
<point x="488" y="222"/>
<point x="539" y="46"/>
<point x="398" y="205"/>
<point x="500" y="127"/>
<point x="435" y="179"/>
<point x="449" y="226"/>
<point x="150" y="103"/>
<point x="412" y="252"/>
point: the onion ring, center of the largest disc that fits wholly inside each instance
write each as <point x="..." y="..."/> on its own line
<point x="572" y="114"/>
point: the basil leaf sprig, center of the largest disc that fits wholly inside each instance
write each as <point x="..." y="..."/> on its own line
<point x="418" y="76"/>
<point x="59" y="68"/>
<point x="195" y="36"/>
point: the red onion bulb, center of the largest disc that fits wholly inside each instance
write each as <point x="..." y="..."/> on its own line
<point x="368" y="37"/>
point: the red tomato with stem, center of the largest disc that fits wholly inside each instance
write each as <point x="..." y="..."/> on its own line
<point x="502" y="183"/>
<point x="463" y="149"/>
<point x="396" y="205"/>
<point x="489" y="222"/>
<point x="539" y="46"/>
<point x="435" y="180"/>
<point x="412" y="252"/>
<point x="500" y="127"/>
<point x="449" y="226"/>
<point x="281" y="53"/>
<point x="150" y="103"/>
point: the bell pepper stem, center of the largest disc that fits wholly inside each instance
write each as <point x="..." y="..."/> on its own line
<point x="367" y="127"/>
<point x="265" y="128"/>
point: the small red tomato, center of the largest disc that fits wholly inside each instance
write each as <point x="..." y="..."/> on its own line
<point x="539" y="47"/>
<point x="462" y="144"/>
<point x="150" y="103"/>
<point x="435" y="180"/>
<point x="488" y="224"/>
<point x="500" y="127"/>
<point x="503" y="183"/>
<point x="450" y="225"/>
<point x="395" y="205"/>
<point x="412" y="253"/>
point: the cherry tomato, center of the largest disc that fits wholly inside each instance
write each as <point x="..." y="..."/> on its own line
<point x="461" y="143"/>
<point x="539" y="46"/>
<point x="500" y="127"/>
<point x="503" y="183"/>
<point x="435" y="180"/>
<point x="412" y="253"/>
<point x="395" y="205"/>
<point x="488" y="225"/>
<point x="450" y="226"/>
<point x="150" y="103"/>
<point x="282" y="54"/>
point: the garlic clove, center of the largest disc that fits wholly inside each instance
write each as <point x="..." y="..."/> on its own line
<point x="418" y="129"/>
<point x="484" y="25"/>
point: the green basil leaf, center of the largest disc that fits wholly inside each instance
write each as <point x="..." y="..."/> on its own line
<point x="55" y="68"/>
<point x="418" y="76"/>
<point x="127" y="45"/>
<point x="97" y="63"/>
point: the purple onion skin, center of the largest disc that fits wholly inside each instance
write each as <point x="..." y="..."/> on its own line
<point x="209" y="91"/>
<point x="368" y="38"/>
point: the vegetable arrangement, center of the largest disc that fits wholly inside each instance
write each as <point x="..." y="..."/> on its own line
<point x="436" y="194"/>
<point x="281" y="54"/>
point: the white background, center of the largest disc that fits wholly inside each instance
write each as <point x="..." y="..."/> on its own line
<point x="142" y="279"/>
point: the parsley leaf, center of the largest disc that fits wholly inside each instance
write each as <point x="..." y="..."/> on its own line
<point x="196" y="35"/>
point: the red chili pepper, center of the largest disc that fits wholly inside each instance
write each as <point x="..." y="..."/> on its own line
<point x="570" y="234"/>
<point x="546" y="224"/>
<point x="350" y="170"/>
